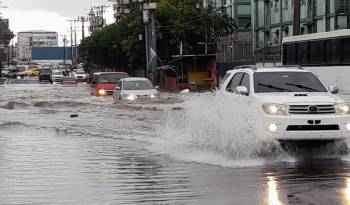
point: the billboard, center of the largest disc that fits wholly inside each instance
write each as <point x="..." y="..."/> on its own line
<point x="51" y="53"/>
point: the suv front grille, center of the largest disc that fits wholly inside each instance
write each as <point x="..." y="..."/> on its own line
<point x="311" y="109"/>
<point x="312" y="127"/>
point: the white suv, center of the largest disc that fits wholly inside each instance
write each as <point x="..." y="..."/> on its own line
<point x="290" y="104"/>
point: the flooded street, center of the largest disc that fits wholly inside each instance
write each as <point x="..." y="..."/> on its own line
<point x="59" y="145"/>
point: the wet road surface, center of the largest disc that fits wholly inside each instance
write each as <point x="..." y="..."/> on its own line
<point x="137" y="153"/>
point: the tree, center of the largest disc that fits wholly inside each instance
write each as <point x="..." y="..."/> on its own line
<point x="118" y="45"/>
<point x="188" y="22"/>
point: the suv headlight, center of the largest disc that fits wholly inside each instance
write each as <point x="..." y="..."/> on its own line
<point x="342" y="109"/>
<point x="130" y="97"/>
<point x="275" y="109"/>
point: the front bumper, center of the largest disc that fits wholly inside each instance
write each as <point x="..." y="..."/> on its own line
<point x="308" y="127"/>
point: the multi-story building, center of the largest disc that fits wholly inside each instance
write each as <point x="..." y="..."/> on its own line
<point x="238" y="45"/>
<point x="274" y="19"/>
<point x="28" y="39"/>
<point x="121" y="9"/>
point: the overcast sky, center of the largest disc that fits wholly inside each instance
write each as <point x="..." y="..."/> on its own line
<point x="49" y="14"/>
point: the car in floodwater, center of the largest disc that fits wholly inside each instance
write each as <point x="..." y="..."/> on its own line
<point x="291" y="104"/>
<point x="57" y="76"/>
<point x="104" y="83"/>
<point x="45" y="75"/>
<point x="133" y="88"/>
<point x="79" y="75"/>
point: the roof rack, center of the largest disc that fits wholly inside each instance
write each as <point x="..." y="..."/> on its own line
<point x="253" y="67"/>
<point x="288" y="66"/>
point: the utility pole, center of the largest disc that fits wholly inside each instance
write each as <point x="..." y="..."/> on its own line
<point x="100" y="11"/>
<point x="82" y="19"/>
<point x="71" y="40"/>
<point x="150" y="38"/>
<point x="296" y="22"/>
<point x="75" y="43"/>
<point x="64" y="49"/>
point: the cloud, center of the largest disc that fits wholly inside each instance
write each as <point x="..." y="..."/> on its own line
<point x="70" y="8"/>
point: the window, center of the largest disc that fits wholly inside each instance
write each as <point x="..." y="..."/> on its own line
<point x="289" y="54"/>
<point x="224" y="79"/>
<point x="267" y="82"/>
<point x="333" y="51"/>
<point x="316" y="53"/>
<point x="236" y="81"/>
<point x="346" y="51"/>
<point x="246" y="81"/>
<point x="302" y="53"/>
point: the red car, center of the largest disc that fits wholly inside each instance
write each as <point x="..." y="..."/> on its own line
<point x="104" y="83"/>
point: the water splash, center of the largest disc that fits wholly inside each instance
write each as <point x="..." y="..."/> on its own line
<point x="212" y="128"/>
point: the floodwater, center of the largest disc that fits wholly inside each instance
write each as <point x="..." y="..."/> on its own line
<point x="59" y="145"/>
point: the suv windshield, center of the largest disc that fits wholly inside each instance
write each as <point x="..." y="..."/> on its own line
<point x="111" y="78"/>
<point x="267" y="82"/>
<point x="137" y="85"/>
<point x="46" y="72"/>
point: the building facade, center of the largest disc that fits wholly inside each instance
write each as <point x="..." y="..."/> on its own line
<point x="121" y="9"/>
<point x="238" y="45"/>
<point x="274" y="19"/>
<point x="28" y="39"/>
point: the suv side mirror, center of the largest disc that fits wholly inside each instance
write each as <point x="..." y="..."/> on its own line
<point x="333" y="89"/>
<point x="117" y="88"/>
<point x="242" y="90"/>
<point x="157" y="87"/>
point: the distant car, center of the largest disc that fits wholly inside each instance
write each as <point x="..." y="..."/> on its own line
<point x="45" y="75"/>
<point x="79" y="75"/>
<point x="57" y="76"/>
<point x="104" y="83"/>
<point x="21" y="71"/>
<point x="32" y="72"/>
<point x="5" y="72"/>
<point x="134" y="88"/>
<point x="12" y="73"/>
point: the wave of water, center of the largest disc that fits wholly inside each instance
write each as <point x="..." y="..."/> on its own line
<point x="209" y="129"/>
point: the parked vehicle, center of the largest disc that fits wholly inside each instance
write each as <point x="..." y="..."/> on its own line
<point x="291" y="104"/>
<point x="45" y="75"/>
<point x="32" y="72"/>
<point x="79" y="75"/>
<point x="57" y="76"/>
<point x="134" y="88"/>
<point x="12" y="73"/>
<point x="103" y="84"/>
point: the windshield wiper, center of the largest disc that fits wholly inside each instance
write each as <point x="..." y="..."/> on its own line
<point x="302" y="87"/>
<point x="274" y="87"/>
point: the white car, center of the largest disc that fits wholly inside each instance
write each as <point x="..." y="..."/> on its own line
<point x="57" y="76"/>
<point x="290" y="104"/>
<point x="133" y="88"/>
<point x="79" y="75"/>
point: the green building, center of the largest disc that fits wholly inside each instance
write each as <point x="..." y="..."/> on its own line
<point x="273" y="20"/>
<point x="238" y="45"/>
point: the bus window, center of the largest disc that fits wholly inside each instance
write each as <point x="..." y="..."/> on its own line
<point x="302" y="53"/>
<point x="346" y="51"/>
<point x="289" y="54"/>
<point x="333" y="52"/>
<point x="316" y="53"/>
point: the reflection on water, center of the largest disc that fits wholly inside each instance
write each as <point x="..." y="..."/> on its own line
<point x="272" y="195"/>
<point x="109" y="155"/>
<point x="345" y="195"/>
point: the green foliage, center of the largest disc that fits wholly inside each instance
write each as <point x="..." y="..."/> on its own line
<point x="118" y="45"/>
<point x="188" y="22"/>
